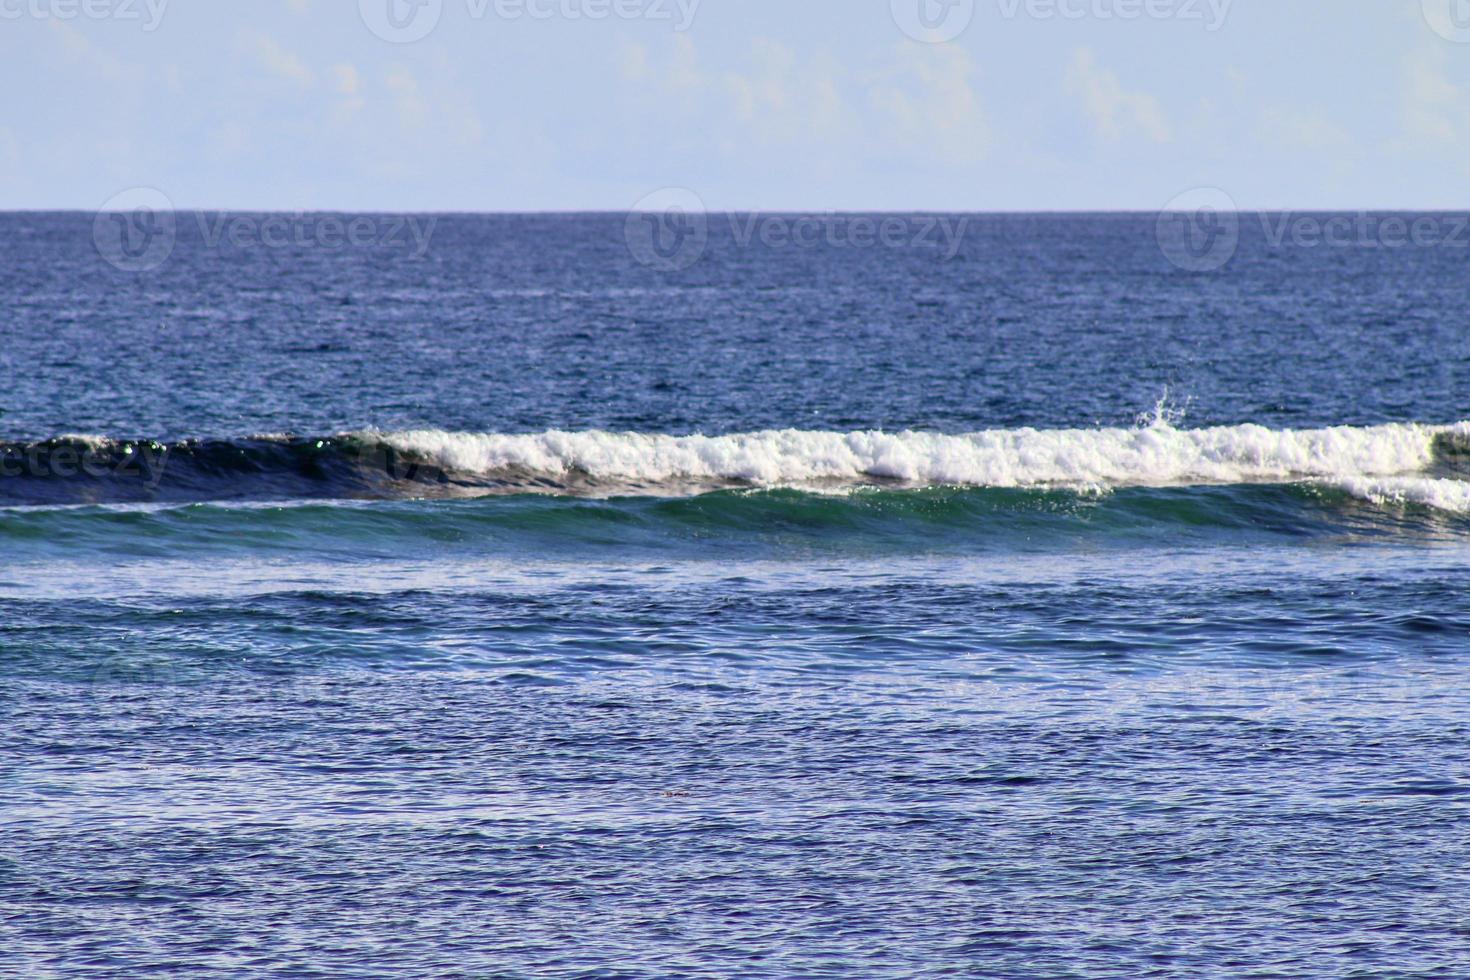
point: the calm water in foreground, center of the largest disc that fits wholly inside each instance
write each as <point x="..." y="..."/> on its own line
<point x="505" y="607"/>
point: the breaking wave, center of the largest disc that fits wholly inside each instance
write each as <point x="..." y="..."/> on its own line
<point x="1155" y="456"/>
<point x="1393" y="464"/>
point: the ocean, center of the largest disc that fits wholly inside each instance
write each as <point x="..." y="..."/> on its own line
<point x="776" y="596"/>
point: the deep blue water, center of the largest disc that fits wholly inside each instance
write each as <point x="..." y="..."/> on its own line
<point x="507" y="607"/>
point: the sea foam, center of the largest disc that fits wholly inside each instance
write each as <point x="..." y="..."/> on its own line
<point x="1158" y="455"/>
<point x="1447" y="495"/>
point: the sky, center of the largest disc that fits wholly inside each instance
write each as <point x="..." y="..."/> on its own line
<point x="797" y="105"/>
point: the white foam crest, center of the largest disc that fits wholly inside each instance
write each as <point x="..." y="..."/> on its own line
<point x="89" y="439"/>
<point x="1158" y="455"/>
<point x="1452" y="496"/>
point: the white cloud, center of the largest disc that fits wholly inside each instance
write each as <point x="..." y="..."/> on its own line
<point x="928" y="101"/>
<point x="413" y="111"/>
<point x="345" y="79"/>
<point x="276" y="60"/>
<point x="348" y="86"/>
<point x="667" y="74"/>
<point x="439" y="111"/>
<point x="1114" y="111"/>
<point x="684" y="77"/>
<point x="1430" y="99"/>
<point x="920" y="104"/>
<point x="785" y="97"/>
<point x="82" y="51"/>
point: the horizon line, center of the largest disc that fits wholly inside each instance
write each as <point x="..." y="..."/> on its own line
<point x="613" y="212"/>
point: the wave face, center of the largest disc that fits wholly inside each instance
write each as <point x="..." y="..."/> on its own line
<point x="1400" y="464"/>
<point x="1155" y="456"/>
<point x="779" y="524"/>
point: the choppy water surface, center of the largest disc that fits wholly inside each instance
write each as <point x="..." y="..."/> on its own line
<point x="516" y="610"/>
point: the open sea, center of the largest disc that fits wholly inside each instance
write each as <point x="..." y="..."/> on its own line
<point x="487" y="596"/>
